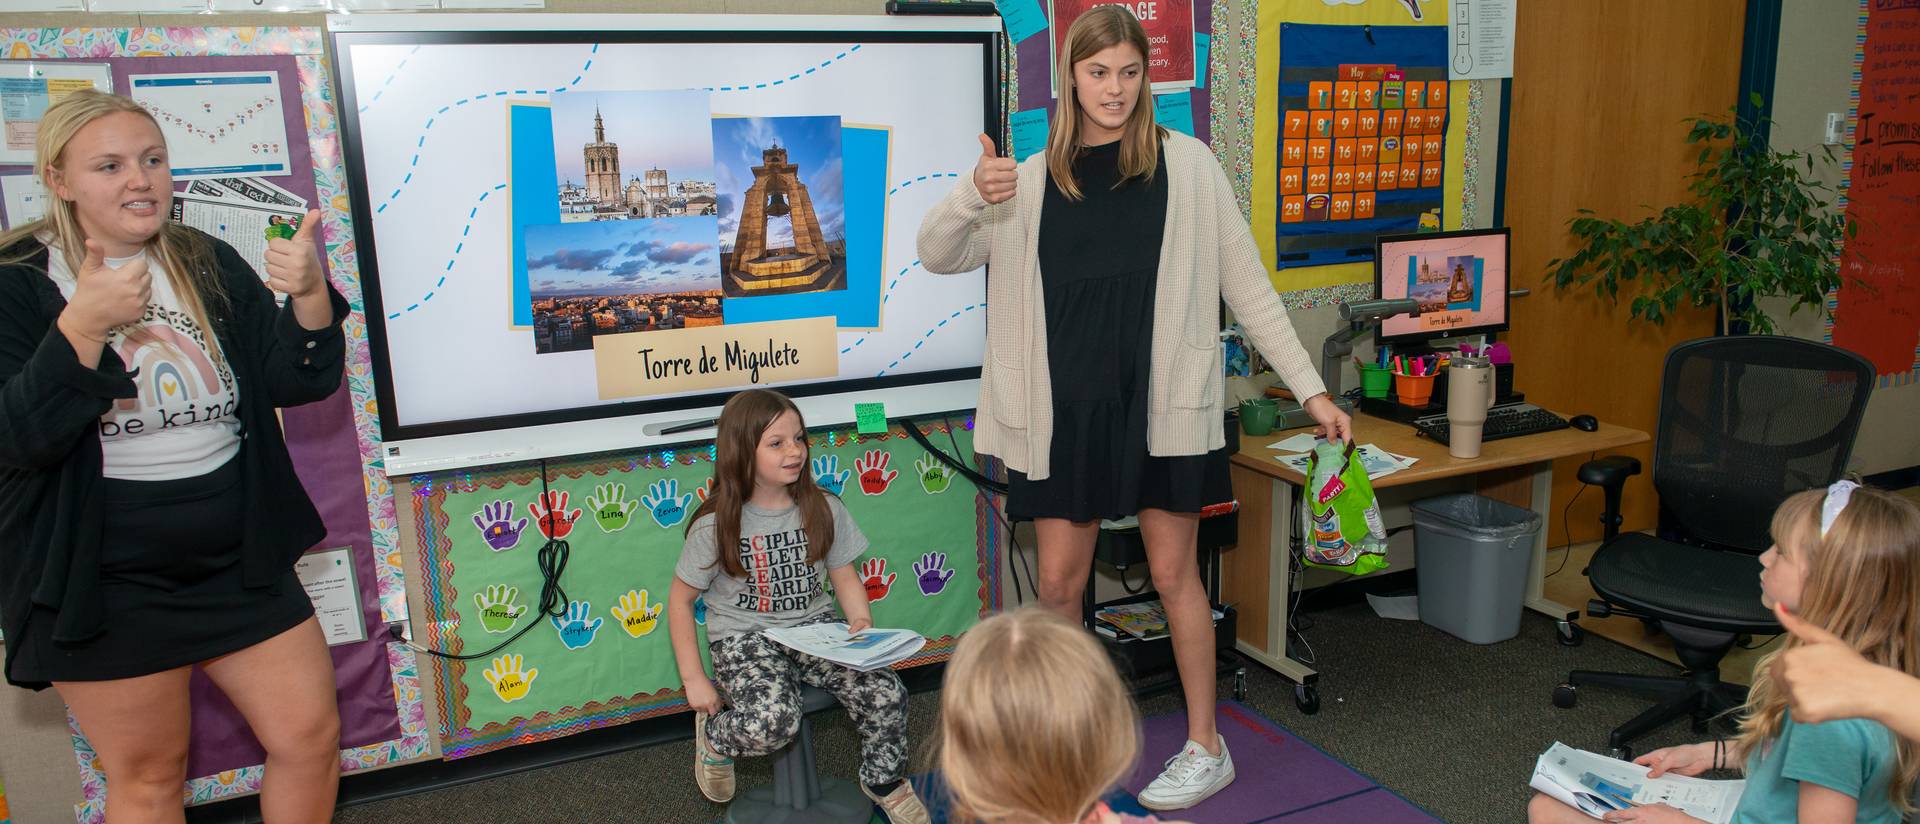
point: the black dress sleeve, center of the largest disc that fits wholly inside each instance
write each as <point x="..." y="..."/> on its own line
<point x="296" y="365"/>
<point x="47" y="398"/>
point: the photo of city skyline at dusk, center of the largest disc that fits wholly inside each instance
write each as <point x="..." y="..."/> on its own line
<point x="616" y="277"/>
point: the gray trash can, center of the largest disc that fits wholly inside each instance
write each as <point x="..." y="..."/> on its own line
<point x="1472" y="557"/>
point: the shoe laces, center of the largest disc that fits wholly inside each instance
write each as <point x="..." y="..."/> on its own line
<point x="1183" y="765"/>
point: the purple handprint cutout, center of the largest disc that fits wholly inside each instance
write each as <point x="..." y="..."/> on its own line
<point x="931" y="573"/>
<point x="497" y="526"/>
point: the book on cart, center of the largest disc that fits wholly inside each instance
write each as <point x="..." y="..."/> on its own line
<point x="1145" y="621"/>
<point x="870" y="650"/>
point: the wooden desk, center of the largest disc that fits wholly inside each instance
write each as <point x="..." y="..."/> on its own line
<point x="1256" y="575"/>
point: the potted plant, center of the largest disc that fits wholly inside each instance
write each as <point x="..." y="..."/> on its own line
<point x="1759" y="225"/>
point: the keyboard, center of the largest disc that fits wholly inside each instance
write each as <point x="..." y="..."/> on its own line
<point x="1502" y="422"/>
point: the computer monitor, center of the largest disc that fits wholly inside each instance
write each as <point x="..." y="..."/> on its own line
<point x="1459" y="278"/>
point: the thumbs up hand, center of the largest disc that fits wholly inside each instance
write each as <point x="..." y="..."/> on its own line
<point x="105" y="297"/>
<point x="994" y="176"/>
<point x="293" y="267"/>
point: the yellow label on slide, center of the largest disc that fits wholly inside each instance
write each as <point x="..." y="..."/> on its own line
<point x="638" y="364"/>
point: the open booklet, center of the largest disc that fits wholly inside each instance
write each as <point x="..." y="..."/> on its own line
<point x="868" y="651"/>
<point x="1596" y="785"/>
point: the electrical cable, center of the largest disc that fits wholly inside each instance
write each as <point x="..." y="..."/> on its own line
<point x="1566" y="529"/>
<point x="1013" y="538"/>
<point x="552" y="560"/>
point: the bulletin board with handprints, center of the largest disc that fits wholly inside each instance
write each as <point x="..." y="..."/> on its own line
<point x="609" y="658"/>
<point x="1357" y="133"/>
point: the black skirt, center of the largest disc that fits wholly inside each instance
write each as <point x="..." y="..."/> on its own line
<point x="1099" y="263"/>
<point x="170" y="577"/>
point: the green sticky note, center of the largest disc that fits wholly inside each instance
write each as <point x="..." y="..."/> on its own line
<point x="870" y="418"/>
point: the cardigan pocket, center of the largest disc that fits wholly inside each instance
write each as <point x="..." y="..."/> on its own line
<point x="1006" y="390"/>
<point x="1196" y="378"/>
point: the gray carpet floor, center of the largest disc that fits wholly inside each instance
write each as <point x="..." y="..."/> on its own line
<point x="1452" y="726"/>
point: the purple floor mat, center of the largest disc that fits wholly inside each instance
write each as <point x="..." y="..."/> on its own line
<point x="1278" y="777"/>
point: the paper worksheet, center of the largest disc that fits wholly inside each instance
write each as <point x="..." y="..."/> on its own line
<point x="1480" y="41"/>
<point x="28" y="87"/>
<point x="218" y="124"/>
<point x="327" y="576"/>
<point x="25" y="199"/>
<point x="1303" y="442"/>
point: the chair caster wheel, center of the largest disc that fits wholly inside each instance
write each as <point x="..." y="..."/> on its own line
<point x="1307" y="698"/>
<point x="1622" y="753"/>
<point x="1569" y="633"/>
<point x="1565" y="696"/>
<point x="1240" y="685"/>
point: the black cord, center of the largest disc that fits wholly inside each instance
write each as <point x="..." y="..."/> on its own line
<point x="1013" y="538"/>
<point x="1566" y="528"/>
<point x="552" y="559"/>
<point x="1131" y="590"/>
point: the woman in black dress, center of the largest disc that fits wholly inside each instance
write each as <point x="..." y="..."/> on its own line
<point x="1108" y="256"/>
<point x="149" y="512"/>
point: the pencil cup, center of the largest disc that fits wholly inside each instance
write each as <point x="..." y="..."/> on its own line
<point x="1375" y="381"/>
<point x="1413" y="390"/>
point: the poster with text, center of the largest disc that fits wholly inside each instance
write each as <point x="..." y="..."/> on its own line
<point x="1878" y="313"/>
<point x="1169" y="27"/>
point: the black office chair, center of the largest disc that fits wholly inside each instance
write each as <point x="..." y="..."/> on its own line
<point x="1745" y="422"/>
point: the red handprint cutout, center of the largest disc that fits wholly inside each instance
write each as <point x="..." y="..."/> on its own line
<point x="551" y="514"/>
<point x="874" y="475"/>
<point x="705" y="490"/>
<point x="877" y="579"/>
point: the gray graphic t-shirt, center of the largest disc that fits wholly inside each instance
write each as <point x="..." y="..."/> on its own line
<point x="780" y="589"/>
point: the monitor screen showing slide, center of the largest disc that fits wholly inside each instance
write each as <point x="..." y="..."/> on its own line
<point x="577" y="230"/>
<point x="1459" y="279"/>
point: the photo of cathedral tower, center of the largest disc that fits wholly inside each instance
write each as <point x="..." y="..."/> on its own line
<point x="633" y="155"/>
<point x="782" y="205"/>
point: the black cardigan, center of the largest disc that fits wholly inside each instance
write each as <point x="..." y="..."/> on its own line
<point x="50" y="464"/>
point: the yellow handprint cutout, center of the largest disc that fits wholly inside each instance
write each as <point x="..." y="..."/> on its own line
<point x="634" y="615"/>
<point x="508" y="681"/>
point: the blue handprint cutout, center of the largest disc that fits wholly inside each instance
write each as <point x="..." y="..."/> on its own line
<point x="576" y="631"/>
<point x="700" y="610"/>
<point x="665" y="503"/>
<point x="497" y="526"/>
<point x="828" y="475"/>
<point x="931" y="573"/>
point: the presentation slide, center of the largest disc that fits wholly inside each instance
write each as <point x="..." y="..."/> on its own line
<point x="569" y="226"/>
<point x="1460" y="282"/>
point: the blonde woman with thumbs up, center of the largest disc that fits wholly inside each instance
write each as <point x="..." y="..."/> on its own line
<point x="148" y="507"/>
<point x="1107" y="258"/>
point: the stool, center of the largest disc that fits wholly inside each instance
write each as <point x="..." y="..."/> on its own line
<point x="798" y="795"/>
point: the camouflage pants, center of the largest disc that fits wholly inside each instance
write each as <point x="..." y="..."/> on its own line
<point x="761" y="681"/>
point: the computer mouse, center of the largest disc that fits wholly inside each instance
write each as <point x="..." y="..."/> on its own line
<point x="1584" y="423"/>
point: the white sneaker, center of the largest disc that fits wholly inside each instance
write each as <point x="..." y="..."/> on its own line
<point x="1190" y="778"/>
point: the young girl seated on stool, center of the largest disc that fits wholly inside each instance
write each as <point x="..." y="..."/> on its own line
<point x="1845" y="559"/>
<point x="1036" y="725"/>
<point x="758" y="547"/>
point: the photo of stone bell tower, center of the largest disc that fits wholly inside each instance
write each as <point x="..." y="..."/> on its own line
<point x="603" y="164"/>
<point x="808" y="265"/>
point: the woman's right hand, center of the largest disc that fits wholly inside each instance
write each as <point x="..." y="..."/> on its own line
<point x="994" y="176"/>
<point x="1692" y="759"/>
<point x="105" y="297"/>
<point x="702" y="696"/>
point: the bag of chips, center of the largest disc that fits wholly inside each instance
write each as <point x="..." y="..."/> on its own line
<point x="1339" y="514"/>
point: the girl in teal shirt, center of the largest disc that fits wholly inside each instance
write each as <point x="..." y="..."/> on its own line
<point x="1846" y="559"/>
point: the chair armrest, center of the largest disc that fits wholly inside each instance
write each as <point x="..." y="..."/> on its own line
<point x="1611" y="471"/>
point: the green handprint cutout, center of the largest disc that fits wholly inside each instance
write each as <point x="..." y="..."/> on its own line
<point x="610" y="507"/>
<point x="498" y="612"/>
<point x="935" y="477"/>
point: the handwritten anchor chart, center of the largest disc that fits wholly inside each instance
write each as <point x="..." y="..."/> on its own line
<point x="218" y="124"/>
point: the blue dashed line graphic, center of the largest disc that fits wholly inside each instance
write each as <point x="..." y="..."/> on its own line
<point x="458" y="247"/>
<point x="389" y="81"/>
<point x="886" y="295"/>
<point x="783" y="81"/>
<point x="934" y="176"/>
<point x="422" y="142"/>
<point x="929" y="335"/>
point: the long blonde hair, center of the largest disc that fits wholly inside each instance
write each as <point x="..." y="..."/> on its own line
<point x="184" y="254"/>
<point x="1863" y="585"/>
<point x="1102" y="27"/>
<point x="1035" y="723"/>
